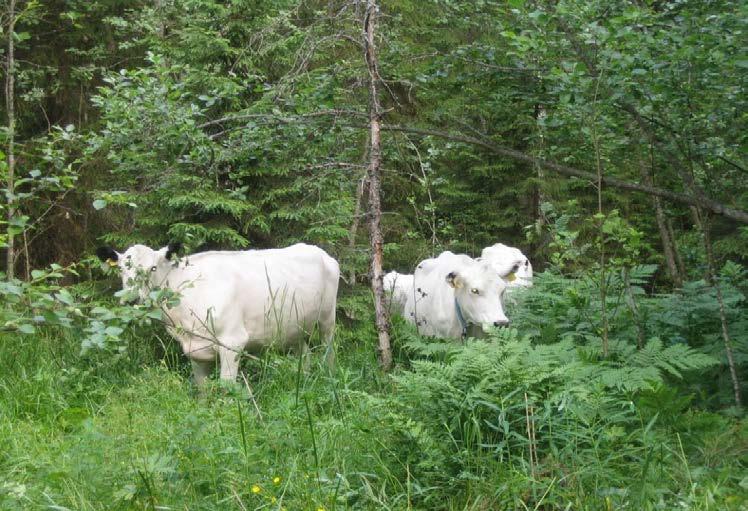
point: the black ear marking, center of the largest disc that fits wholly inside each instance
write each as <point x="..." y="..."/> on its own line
<point x="106" y="254"/>
<point x="172" y="248"/>
<point x="453" y="279"/>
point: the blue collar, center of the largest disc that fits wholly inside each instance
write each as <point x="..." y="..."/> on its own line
<point x="463" y="323"/>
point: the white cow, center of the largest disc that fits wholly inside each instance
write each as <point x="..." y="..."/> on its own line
<point x="453" y="292"/>
<point x="235" y="301"/>
<point x="510" y="263"/>
<point x="398" y="286"/>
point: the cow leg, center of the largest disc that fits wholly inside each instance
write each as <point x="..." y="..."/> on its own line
<point x="326" y="333"/>
<point x="201" y="369"/>
<point x="229" y="363"/>
<point x="327" y="342"/>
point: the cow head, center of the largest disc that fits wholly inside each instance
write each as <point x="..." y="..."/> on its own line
<point x="510" y="264"/>
<point x="141" y="267"/>
<point x="478" y="293"/>
<point x="519" y="274"/>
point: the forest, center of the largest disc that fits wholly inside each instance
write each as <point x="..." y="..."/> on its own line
<point x="606" y="139"/>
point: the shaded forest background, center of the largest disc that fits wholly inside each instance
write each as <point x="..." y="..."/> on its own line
<point x="243" y="124"/>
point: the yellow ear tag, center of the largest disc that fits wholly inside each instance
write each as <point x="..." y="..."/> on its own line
<point x="511" y="277"/>
<point x="111" y="263"/>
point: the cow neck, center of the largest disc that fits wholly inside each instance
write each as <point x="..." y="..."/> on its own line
<point x="461" y="318"/>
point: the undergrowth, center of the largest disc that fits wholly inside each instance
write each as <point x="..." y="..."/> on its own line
<point x="531" y="417"/>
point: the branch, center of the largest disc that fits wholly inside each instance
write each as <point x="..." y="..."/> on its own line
<point x="702" y="201"/>
<point x="283" y="118"/>
<point x="697" y="195"/>
<point x="692" y="200"/>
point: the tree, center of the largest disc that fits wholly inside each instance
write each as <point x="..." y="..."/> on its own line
<point x="374" y="176"/>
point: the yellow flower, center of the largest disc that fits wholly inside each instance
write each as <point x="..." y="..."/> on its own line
<point x="273" y="500"/>
<point x="256" y="489"/>
<point x="276" y="480"/>
<point x="320" y="508"/>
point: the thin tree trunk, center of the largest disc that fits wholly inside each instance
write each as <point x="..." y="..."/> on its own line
<point x="10" y="106"/>
<point x="667" y="241"/>
<point x="374" y="177"/>
<point x="537" y="193"/>
<point x="360" y="190"/>
<point x="603" y="276"/>
<point x="712" y="279"/>
<point x="631" y="301"/>
<point x="678" y="258"/>
<point x="26" y="258"/>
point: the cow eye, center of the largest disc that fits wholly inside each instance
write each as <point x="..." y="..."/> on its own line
<point x="153" y="268"/>
<point x="475" y="291"/>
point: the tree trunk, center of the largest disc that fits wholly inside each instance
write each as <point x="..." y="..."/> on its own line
<point x="631" y="301"/>
<point x="668" y="245"/>
<point x="10" y="106"/>
<point x="360" y="191"/>
<point x="374" y="177"/>
<point x="712" y="279"/>
<point x="678" y="258"/>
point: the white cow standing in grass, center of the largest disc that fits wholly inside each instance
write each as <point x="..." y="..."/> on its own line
<point x="237" y="300"/>
<point x="452" y="292"/>
<point x="398" y="286"/>
<point x="510" y="263"/>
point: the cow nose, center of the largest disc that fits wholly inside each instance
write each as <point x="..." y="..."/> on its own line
<point x="501" y="323"/>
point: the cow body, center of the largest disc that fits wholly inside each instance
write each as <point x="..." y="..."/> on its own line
<point x="240" y="300"/>
<point x="398" y="287"/>
<point x="452" y="292"/>
<point x="510" y="263"/>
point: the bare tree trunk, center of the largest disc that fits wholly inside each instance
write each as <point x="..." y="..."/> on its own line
<point x="631" y="301"/>
<point x="712" y="279"/>
<point x="360" y="190"/>
<point x="374" y="178"/>
<point x="538" y="197"/>
<point x="678" y="258"/>
<point x="10" y="106"/>
<point x="667" y="241"/>
<point x="603" y="275"/>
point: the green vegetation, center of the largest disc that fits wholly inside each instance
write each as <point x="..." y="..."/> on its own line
<point x="525" y="419"/>
<point x="606" y="139"/>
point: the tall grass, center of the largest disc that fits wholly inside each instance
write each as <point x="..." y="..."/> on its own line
<point x="129" y="431"/>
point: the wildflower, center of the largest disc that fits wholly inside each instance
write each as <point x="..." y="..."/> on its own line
<point x="256" y="489"/>
<point x="276" y="480"/>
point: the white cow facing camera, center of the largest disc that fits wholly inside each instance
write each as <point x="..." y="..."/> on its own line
<point x="453" y="292"/>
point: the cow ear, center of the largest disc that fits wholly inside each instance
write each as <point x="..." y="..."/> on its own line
<point x="454" y="279"/>
<point x="509" y="275"/>
<point x="172" y="249"/>
<point x="106" y="254"/>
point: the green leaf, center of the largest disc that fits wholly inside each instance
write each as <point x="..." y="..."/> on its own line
<point x="99" y="204"/>
<point x="26" y="329"/>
